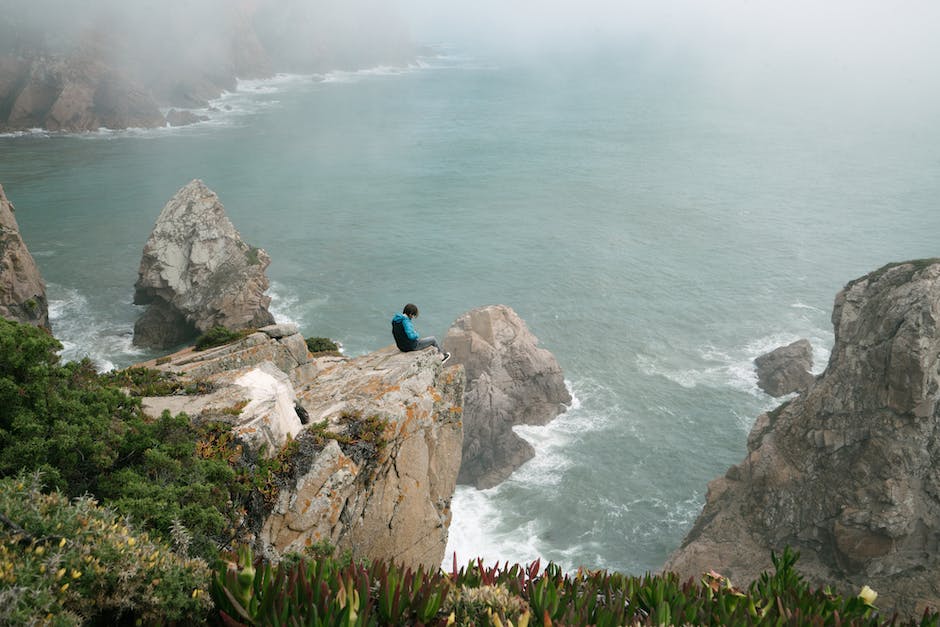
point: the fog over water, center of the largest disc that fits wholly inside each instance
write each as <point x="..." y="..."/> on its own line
<point x="662" y="190"/>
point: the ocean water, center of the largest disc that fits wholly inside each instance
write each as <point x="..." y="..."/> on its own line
<point x="656" y="229"/>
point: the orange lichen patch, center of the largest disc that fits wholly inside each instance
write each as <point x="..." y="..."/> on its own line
<point x="247" y="430"/>
<point x="389" y="389"/>
<point x="456" y="410"/>
<point x="434" y="394"/>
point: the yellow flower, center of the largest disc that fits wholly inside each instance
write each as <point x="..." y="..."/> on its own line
<point x="76" y="574"/>
<point x="64" y="587"/>
<point x="59" y="573"/>
<point x="131" y="542"/>
<point x="61" y="542"/>
<point x="868" y="595"/>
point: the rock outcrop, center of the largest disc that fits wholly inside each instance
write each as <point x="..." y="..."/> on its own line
<point x="510" y="381"/>
<point x="78" y="67"/>
<point x="849" y="472"/>
<point x="71" y="94"/>
<point x="375" y="466"/>
<point x="196" y="273"/>
<point x="786" y="369"/>
<point x="22" y="291"/>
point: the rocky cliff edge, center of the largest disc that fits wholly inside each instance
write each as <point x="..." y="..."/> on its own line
<point x="373" y="464"/>
<point x="848" y="473"/>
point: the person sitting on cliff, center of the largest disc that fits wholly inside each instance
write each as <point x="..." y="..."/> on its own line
<point x="407" y="339"/>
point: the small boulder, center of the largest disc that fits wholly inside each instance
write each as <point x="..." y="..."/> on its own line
<point x="786" y="369"/>
<point x="197" y="273"/>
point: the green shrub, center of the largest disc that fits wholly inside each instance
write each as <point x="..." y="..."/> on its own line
<point x="76" y="563"/>
<point x="86" y="436"/>
<point x="323" y="591"/>
<point x="317" y="345"/>
<point x="217" y="336"/>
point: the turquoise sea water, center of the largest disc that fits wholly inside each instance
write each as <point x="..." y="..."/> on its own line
<point x="655" y="230"/>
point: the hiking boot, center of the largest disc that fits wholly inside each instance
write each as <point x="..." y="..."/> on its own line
<point x="445" y="357"/>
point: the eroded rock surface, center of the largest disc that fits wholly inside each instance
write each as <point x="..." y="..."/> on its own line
<point x="510" y="381"/>
<point x="786" y="369"/>
<point x="22" y="291"/>
<point x="849" y="472"/>
<point x="197" y="273"/>
<point x="375" y="467"/>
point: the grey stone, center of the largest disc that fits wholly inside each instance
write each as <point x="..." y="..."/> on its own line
<point x="510" y="381"/>
<point x="196" y="273"/>
<point x="278" y="331"/>
<point x="846" y="472"/>
<point x="786" y="369"/>
<point x="22" y="290"/>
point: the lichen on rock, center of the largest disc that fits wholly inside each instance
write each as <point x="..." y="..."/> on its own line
<point x="197" y="273"/>
<point x="846" y="473"/>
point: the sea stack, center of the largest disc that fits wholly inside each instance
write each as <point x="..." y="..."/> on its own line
<point x="848" y="473"/>
<point x="22" y="291"/>
<point x="196" y="273"/>
<point x="510" y="381"/>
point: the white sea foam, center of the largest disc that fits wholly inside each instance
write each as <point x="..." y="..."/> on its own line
<point x="477" y="529"/>
<point x="476" y="532"/>
<point x="354" y="76"/>
<point x="285" y="307"/>
<point x="84" y="334"/>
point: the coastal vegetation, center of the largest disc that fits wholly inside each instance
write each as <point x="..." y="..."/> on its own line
<point x="109" y="516"/>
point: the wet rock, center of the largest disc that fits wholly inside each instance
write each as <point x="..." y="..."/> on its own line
<point x="510" y="381"/>
<point x="786" y="369"/>
<point x="846" y="473"/>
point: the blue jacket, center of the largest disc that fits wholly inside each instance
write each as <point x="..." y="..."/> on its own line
<point x="406" y="338"/>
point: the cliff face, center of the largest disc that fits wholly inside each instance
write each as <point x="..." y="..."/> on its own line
<point x="197" y="273"/>
<point x="82" y="66"/>
<point x="22" y="291"/>
<point x="374" y="468"/>
<point x="510" y="381"/>
<point x="849" y="472"/>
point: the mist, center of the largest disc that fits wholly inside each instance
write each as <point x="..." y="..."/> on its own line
<point x="864" y="50"/>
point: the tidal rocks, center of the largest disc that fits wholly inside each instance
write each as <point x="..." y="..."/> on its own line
<point x="846" y="473"/>
<point x="786" y="369"/>
<point x="22" y="291"/>
<point x="510" y="381"/>
<point x="374" y="469"/>
<point x="196" y="273"/>
<point x="175" y="117"/>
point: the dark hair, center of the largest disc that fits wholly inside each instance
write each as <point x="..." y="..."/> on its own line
<point x="410" y="310"/>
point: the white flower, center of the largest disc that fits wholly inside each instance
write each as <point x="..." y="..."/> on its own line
<point x="868" y="595"/>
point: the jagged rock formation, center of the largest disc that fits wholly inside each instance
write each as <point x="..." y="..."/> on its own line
<point x="786" y="369"/>
<point x="510" y="381"/>
<point x="22" y="291"/>
<point x="375" y="467"/>
<point x="196" y="273"/>
<point x="849" y="472"/>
